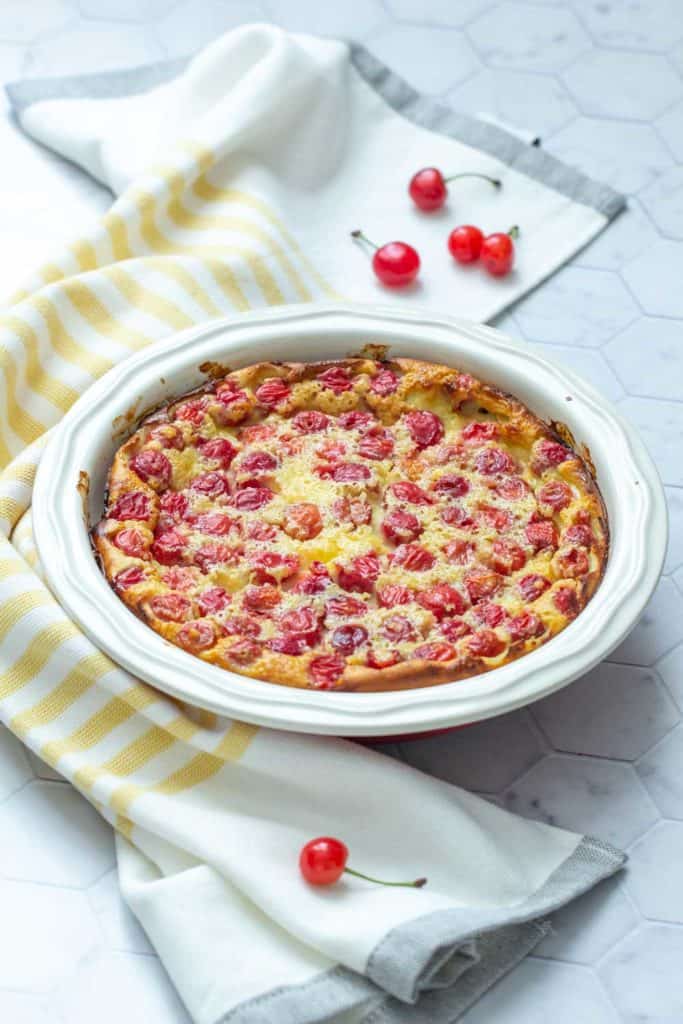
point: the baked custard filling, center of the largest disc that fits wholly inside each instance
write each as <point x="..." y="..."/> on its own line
<point x="352" y="525"/>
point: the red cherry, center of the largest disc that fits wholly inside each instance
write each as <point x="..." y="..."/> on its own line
<point x="435" y="651"/>
<point x="479" y="430"/>
<point x="400" y="527"/>
<point x="326" y="671"/>
<point x="212" y="600"/>
<point x="132" y="505"/>
<point x="361" y="574"/>
<point x="218" y="448"/>
<point x="315" y="581"/>
<point x="465" y="243"/>
<point x="356" y="420"/>
<point x="303" y="521"/>
<point x="394" y="594"/>
<point x="273" y="391"/>
<point x="385" y="383"/>
<point x="566" y="601"/>
<point x="396" y="264"/>
<point x="410" y="493"/>
<point x="347" y="638"/>
<point x="428" y="188"/>
<point x="532" y="586"/>
<point x="336" y="379"/>
<point x="171" y="607"/>
<point x="413" y="557"/>
<point x="168" y="547"/>
<point x="212" y="484"/>
<point x="322" y="861"/>
<point x="345" y="606"/>
<point x="251" y="498"/>
<point x="310" y="421"/>
<point x="196" y="636"/>
<point x="243" y="651"/>
<point x="397" y="628"/>
<point x="442" y="600"/>
<point x="152" y="466"/>
<point x="485" y="644"/>
<point x="542" y="535"/>
<point x="350" y="472"/>
<point x="498" y="252"/>
<point x="424" y="427"/>
<point x="129" y="577"/>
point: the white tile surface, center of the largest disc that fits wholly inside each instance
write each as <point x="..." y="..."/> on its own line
<point x="550" y="39"/>
<point x="50" y="834"/>
<point x="637" y="24"/>
<point x="17" y="1008"/>
<point x="670" y="668"/>
<point x="577" y="307"/>
<point x="659" y="630"/>
<point x="660" y="772"/>
<point x="590" y="926"/>
<point x="616" y="711"/>
<point x="46" y="933"/>
<point x="648" y="357"/>
<point x="674" y="555"/>
<point x="643" y="975"/>
<point x="101" y="46"/>
<point x="438" y="12"/>
<point x="513" y="97"/>
<point x="538" y="988"/>
<point x="15" y="770"/>
<point x="663" y="200"/>
<point x="142" y="992"/>
<point x="587" y="362"/>
<point x="603" y="87"/>
<point x="630" y="234"/>
<point x="653" y="875"/>
<point x="661" y="428"/>
<point x="487" y="758"/>
<point x="602" y="82"/>
<point x="189" y="26"/>
<point x="652" y="277"/>
<point x="20" y="24"/>
<point x="348" y="21"/>
<point x="626" y="154"/>
<point x="452" y="58"/>
<point x="589" y="795"/>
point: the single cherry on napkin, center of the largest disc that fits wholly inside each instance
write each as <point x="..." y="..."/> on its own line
<point x="498" y="252"/>
<point x="429" y="188"/>
<point x="465" y="243"/>
<point x="396" y="264"/>
<point x="323" y="861"/>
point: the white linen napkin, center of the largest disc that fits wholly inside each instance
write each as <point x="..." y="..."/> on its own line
<point x="322" y="138"/>
<point x="331" y="137"/>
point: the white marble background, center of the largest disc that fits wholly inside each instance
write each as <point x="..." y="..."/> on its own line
<point x="602" y="82"/>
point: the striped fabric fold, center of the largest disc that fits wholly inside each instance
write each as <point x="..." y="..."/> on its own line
<point x="172" y="251"/>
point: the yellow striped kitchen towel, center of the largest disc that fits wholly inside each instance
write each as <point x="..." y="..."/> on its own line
<point x="238" y="178"/>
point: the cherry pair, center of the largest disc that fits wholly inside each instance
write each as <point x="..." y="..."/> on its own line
<point x="397" y="264"/>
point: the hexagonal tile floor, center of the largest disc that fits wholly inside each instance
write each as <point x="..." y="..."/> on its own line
<point x="602" y="83"/>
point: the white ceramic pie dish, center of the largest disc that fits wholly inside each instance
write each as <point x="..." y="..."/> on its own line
<point x="87" y="437"/>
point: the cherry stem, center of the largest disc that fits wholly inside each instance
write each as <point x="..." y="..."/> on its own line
<point x="514" y="231"/>
<point x="496" y="182"/>
<point x="363" y="238"/>
<point x="417" y="884"/>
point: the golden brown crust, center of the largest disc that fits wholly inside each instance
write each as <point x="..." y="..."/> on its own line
<point x="508" y="464"/>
